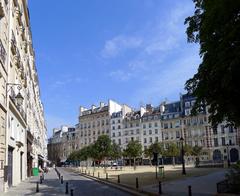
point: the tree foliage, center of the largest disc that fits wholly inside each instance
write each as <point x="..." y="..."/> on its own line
<point x="133" y="150"/>
<point x="215" y="25"/>
<point x="116" y="151"/>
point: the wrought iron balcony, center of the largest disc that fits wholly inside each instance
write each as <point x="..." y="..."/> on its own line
<point x="2" y="53"/>
<point x="1" y="11"/>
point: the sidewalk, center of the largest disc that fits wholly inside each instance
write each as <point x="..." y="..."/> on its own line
<point x="201" y="186"/>
<point x="51" y="186"/>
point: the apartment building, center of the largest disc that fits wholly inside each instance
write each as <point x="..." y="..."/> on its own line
<point x="151" y="126"/>
<point x="61" y="144"/>
<point x="95" y="121"/>
<point x="23" y="131"/>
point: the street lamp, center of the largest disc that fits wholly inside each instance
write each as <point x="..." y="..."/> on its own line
<point x="19" y="98"/>
<point x="182" y="153"/>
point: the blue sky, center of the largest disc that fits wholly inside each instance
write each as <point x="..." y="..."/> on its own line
<point x="132" y="51"/>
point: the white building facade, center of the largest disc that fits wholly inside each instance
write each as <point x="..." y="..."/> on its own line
<point x="23" y="139"/>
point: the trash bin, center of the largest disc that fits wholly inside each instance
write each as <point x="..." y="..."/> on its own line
<point x="161" y="171"/>
<point x="35" y="171"/>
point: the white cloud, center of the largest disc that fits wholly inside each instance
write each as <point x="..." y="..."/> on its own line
<point x="120" y="75"/>
<point x="118" y="44"/>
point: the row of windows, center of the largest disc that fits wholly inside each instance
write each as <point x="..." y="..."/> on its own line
<point x="150" y="125"/>
<point x="150" y="132"/>
<point x="95" y="123"/>
<point x="118" y="121"/>
<point x="94" y="132"/>
<point x="145" y="140"/>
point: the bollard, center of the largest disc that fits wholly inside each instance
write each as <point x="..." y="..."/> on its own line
<point x="118" y="178"/>
<point x="85" y="171"/>
<point x="93" y="174"/>
<point x="66" y="191"/>
<point x="189" y="190"/>
<point x="37" y="188"/>
<point x="43" y="176"/>
<point x="137" y="185"/>
<point x="106" y="176"/>
<point x="40" y="179"/>
<point x="89" y="173"/>
<point x="61" y="179"/>
<point x="71" y="192"/>
<point x="160" y="187"/>
<point x="98" y="175"/>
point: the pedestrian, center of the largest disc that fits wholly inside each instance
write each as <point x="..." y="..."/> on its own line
<point x="40" y="170"/>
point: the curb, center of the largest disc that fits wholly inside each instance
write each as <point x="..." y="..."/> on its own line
<point x="122" y="187"/>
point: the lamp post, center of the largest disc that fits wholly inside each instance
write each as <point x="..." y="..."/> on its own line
<point x="182" y="153"/>
<point x="228" y="160"/>
<point x="19" y="98"/>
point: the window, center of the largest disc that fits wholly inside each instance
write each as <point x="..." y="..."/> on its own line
<point x="137" y="131"/>
<point x="215" y="131"/>
<point x="119" y="121"/>
<point x="150" y="139"/>
<point x="126" y="140"/>
<point x="144" y="126"/>
<point x="119" y="126"/>
<point x="156" y="139"/>
<point x="222" y="129"/>
<point x="131" y="125"/>
<point x="114" y="141"/>
<point x="113" y="122"/>
<point x="215" y="142"/>
<point x="187" y="104"/>
<point x="113" y="134"/>
<point x="145" y="140"/>
<point x="132" y="132"/>
<point x="230" y="129"/>
<point x="150" y="125"/>
<point x="137" y="124"/>
<point x="119" y="133"/>
<point x="223" y="141"/>
<point x="126" y="132"/>
<point x="132" y="138"/>
<point x="187" y="112"/>
<point x="150" y="132"/>
<point x="119" y="141"/>
<point x="177" y="134"/>
<point x="113" y="127"/>
<point x="156" y="131"/>
<point x="144" y="132"/>
<point x="165" y="125"/>
<point x="155" y="124"/>
<point x="171" y="125"/>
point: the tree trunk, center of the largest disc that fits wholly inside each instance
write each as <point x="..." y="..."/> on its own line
<point x="134" y="163"/>
<point x="173" y="160"/>
<point x="105" y="168"/>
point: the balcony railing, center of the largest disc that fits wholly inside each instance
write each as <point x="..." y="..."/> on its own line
<point x="2" y="53"/>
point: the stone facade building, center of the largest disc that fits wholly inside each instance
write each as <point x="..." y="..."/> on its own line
<point x="61" y="144"/>
<point x="165" y="123"/>
<point x="23" y="137"/>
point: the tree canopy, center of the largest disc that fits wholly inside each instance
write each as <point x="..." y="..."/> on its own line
<point x="215" y="25"/>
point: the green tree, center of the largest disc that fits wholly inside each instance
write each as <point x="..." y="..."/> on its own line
<point x="154" y="148"/>
<point x="133" y="151"/>
<point x="196" y="151"/>
<point x="103" y="148"/>
<point x="187" y="150"/>
<point x="215" y="26"/>
<point x="115" y="152"/>
<point x="173" y="151"/>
